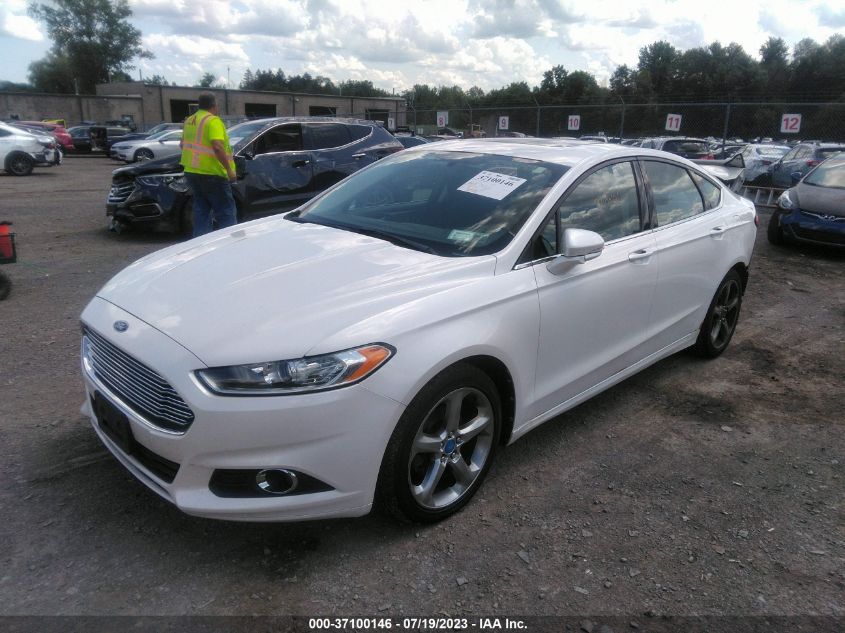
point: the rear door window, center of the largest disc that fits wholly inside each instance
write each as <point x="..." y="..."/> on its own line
<point x="711" y="194"/>
<point x="675" y="195"/>
<point x="359" y="131"/>
<point x="328" y="135"/>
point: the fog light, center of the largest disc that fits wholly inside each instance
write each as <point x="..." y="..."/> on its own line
<point x="277" y="481"/>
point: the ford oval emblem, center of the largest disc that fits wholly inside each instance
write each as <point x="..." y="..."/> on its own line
<point x="121" y="326"/>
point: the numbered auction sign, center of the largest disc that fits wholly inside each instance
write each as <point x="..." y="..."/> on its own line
<point x="573" y="122"/>
<point x="790" y="124"/>
<point x="673" y="122"/>
<point x="504" y="121"/>
<point x="443" y="118"/>
<point x="391" y="123"/>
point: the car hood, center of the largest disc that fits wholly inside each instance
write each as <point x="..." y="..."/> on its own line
<point x="160" y="166"/>
<point x="131" y="142"/>
<point x="828" y="200"/>
<point x="274" y="289"/>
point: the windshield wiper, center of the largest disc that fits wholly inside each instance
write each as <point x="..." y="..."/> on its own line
<point x="379" y="235"/>
<point x="387" y="237"/>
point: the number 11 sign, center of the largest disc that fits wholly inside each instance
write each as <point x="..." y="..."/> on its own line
<point x="673" y="122"/>
<point x="790" y="124"/>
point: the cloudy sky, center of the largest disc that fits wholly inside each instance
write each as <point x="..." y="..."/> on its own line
<point x="488" y="43"/>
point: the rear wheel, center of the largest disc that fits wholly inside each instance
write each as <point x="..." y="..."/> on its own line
<point x="443" y="446"/>
<point x="722" y="316"/>
<point x="20" y="164"/>
<point x="774" y="232"/>
<point x="143" y="154"/>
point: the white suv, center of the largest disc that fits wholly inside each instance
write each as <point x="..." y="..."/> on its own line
<point x="21" y="151"/>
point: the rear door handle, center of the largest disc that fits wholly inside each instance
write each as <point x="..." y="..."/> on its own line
<point x="360" y="155"/>
<point x="717" y="232"/>
<point x="641" y="255"/>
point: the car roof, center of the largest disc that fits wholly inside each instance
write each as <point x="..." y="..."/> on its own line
<point x="312" y="119"/>
<point x="561" y="151"/>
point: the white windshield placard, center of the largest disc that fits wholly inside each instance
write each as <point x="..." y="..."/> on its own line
<point x="491" y="184"/>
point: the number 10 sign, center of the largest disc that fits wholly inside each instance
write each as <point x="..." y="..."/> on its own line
<point x="790" y="124"/>
<point x="673" y="122"/>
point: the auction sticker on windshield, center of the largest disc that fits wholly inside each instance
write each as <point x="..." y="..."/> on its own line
<point x="491" y="184"/>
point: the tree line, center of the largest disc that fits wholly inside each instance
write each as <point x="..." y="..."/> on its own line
<point x="93" y="42"/>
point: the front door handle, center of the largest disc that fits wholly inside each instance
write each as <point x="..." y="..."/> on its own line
<point x="358" y="156"/>
<point x="300" y="163"/>
<point x="641" y="255"/>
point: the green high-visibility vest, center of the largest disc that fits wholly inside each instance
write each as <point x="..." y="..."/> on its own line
<point x="197" y="151"/>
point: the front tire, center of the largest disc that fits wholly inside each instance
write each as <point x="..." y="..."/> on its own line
<point x="442" y="447"/>
<point x="5" y="286"/>
<point x="186" y="219"/>
<point x="143" y="154"/>
<point x="722" y="316"/>
<point x="774" y="231"/>
<point x="20" y="164"/>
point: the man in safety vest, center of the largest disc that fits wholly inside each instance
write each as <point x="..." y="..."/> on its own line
<point x="209" y="168"/>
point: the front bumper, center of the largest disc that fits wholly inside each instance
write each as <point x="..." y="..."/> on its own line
<point x="47" y="158"/>
<point x="337" y="437"/>
<point x="147" y="204"/>
<point x="809" y="228"/>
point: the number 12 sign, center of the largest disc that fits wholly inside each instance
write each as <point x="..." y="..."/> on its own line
<point x="790" y="124"/>
<point x="673" y="122"/>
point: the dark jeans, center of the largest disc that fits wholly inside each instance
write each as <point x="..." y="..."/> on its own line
<point x="213" y="203"/>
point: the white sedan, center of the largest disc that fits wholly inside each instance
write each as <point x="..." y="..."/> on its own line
<point x="160" y="145"/>
<point x="390" y="335"/>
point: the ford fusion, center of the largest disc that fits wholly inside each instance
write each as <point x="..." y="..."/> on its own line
<point x="387" y="338"/>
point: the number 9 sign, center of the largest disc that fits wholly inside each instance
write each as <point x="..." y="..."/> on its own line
<point x="790" y="124"/>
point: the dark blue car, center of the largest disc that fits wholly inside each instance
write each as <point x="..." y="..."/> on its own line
<point x="813" y="211"/>
<point x="801" y="159"/>
<point x="281" y="163"/>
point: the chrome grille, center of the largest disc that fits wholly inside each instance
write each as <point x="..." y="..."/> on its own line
<point x="824" y="216"/>
<point x="120" y="191"/>
<point x="140" y="388"/>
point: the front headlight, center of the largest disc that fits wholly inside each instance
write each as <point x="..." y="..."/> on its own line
<point x="176" y="182"/>
<point x="785" y="202"/>
<point x="312" y="373"/>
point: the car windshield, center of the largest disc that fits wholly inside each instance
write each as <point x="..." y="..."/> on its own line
<point x="448" y="203"/>
<point x="830" y="173"/>
<point x="242" y="133"/>
<point x="827" y="152"/>
<point x="161" y="127"/>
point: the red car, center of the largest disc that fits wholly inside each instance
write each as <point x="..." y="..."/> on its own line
<point x="59" y="131"/>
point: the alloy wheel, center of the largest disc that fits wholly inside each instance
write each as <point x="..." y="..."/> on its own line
<point x="725" y="313"/>
<point x="451" y="448"/>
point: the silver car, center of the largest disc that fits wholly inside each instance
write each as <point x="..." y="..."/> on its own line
<point x="158" y="145"/>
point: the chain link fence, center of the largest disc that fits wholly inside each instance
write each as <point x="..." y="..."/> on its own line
<point x="746" y="121"/>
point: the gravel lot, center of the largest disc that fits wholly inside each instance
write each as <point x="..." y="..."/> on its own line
<point x="709" y="488"/>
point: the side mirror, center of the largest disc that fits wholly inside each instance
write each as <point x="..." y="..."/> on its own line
<point x="579" y="247"/>
<point x="796" y="177"/>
